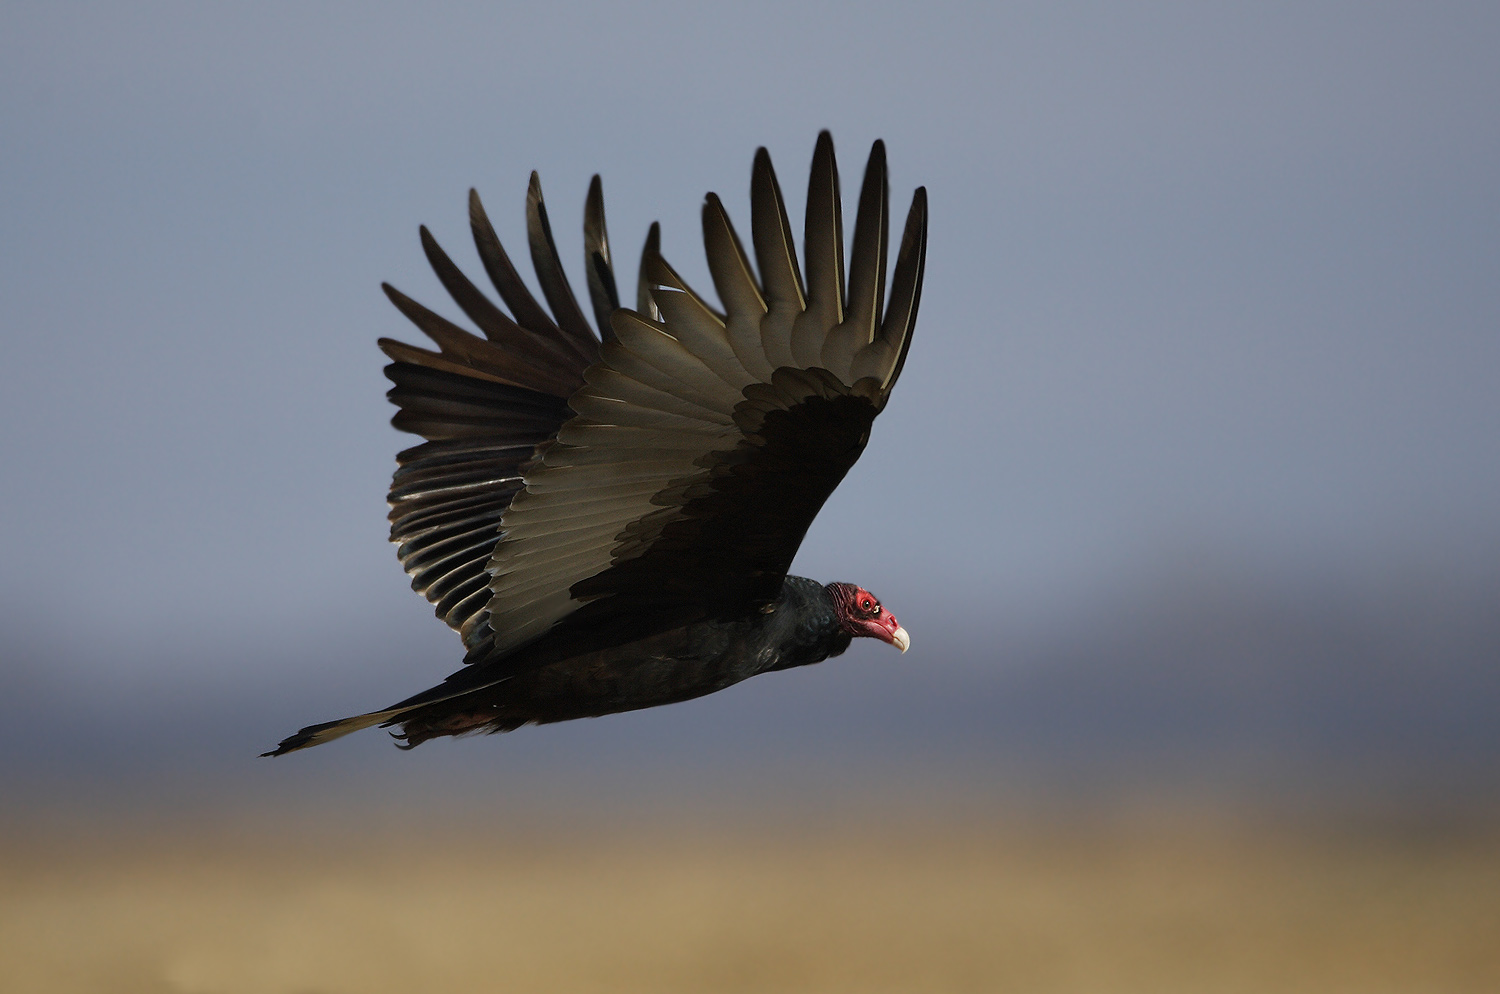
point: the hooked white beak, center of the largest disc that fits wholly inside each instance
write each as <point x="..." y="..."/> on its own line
<point x="900" y="639"/>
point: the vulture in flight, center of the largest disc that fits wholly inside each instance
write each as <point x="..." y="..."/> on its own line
<point x="607" y="519"/>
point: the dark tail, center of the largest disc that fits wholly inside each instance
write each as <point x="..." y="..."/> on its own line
<point x="460" y="684"/>
<point x="329" y="730"/>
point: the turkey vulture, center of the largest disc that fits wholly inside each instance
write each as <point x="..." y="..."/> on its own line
<point x="608" y="523"/>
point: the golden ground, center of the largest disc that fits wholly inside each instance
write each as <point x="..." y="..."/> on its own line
<point x="977" y="907"/>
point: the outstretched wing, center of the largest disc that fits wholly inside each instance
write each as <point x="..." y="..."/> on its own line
<point x="704" y="443"/>
<point x="484" y="404"/>
<point x="673" y="468"/>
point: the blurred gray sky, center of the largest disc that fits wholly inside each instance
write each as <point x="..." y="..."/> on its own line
<point x="1207" y="283"/>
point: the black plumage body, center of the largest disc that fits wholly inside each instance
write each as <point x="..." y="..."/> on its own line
<point x="607" y="519"/>
<point x="563" y="677"/>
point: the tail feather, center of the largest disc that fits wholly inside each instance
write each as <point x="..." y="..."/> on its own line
<point x="329" y="730"/>
<point x="461" y="684"/>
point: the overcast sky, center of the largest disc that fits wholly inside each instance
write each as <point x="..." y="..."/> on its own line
<point x="1210" y="281"/>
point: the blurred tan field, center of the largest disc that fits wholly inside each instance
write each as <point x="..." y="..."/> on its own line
<point x="1110" y="906"/>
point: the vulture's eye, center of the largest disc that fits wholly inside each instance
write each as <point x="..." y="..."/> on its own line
<point x="869" y="605"/>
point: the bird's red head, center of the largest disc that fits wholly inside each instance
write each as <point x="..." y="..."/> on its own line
<point x="861" y="615"/>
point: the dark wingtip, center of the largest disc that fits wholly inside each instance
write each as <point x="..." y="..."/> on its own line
<point x="577" y="333"/>
<point x="711" y="206"/>
<point x="403" y="303"/>
<point x="603" y="293"/>
<point x="823" y="149"/>
<point x="644" y="302"/>
<point x="763" y="174"/>
<point x="430" y="247"/>
<point x="918" y="209"/>
<point x="479" y="219"/>
<point x="823" y="155"/>
<point x="906" y="293"/>
<point x="867" y="263"/>
<point x="714" y="212"/>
